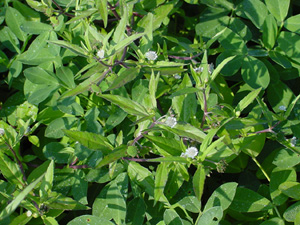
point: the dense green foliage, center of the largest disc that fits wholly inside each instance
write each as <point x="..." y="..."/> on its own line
<point x="149" y="112"/>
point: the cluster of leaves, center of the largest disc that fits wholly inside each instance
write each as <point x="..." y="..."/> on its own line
<point x="90" y="122"/>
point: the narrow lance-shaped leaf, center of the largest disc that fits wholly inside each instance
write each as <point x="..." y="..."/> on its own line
<point x="247" y="100"/>
<point x="72" y="47"/>
<point x="47" y="182"/>
<point x="10" y="208"/>
<point x="10" y="170"/>
<point x="161" y="178"/>
<point x="198" y="181"/>
<point x="116" y="154"/>
<point x="85" y="85"/>
<point x="220" y="67"/>
<point x="129" y="106"/>
<point x="90" y="140"/>
<point x="102" y="8"/>
<point x="124" y="77"/>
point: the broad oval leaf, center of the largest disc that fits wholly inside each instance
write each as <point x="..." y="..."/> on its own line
<point x="290" y="189"/>
<point x="246" y="200"/>
<point x="37" y="75"/>
<point x="278" y="8"/>
<point x="219" y="199"/>
<point x="293" y="23"/>
<point x="256" y="11"/>
<point x="255" y="73"/>
<point x="89" y="219"/>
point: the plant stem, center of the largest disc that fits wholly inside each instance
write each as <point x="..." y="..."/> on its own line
<point x="262" y="169"/>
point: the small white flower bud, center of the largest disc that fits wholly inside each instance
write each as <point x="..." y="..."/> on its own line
<point x="177" y="76"/>
<point x="282" y="108"/>
<point x="211" y="68"/>
<point x="171" y="122"/>
<point x="2" y="131"/>
<point x="151" y="55"/>
<point x="293" y="141"/>
<point x="28" y="213"/>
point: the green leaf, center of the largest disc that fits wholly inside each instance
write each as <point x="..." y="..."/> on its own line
<point x="9" y="40"/>
<point x="113" y="156"/>
<point x="37" y="75"/>
<point x="278" y="8"/>
<point x="90" y="140"/>
<point x="185" y="130"/>
<point x="11" y="170"/>
<point x="273" y="221"/>
<point x="161" y="177"/>
<point x="233" y="42"/>
<point x="172" y="218"/>
<point x="47" y="182"/>
<point x="246" y="200"/>
<point x="136" y="212"/>
<point x="255" y="73"/>
<point x="198" y="181"/>
<point x="233" y="66"/>
<point x="290" y="189"/>
<point x="58" y="152"/>
<point x="142" y="177"/>
<point x="58" y="201"/>
<point x="110" y="204"/>
<point x="209" y="28"/>
<point x="102" y="8"/>
<point x="11" y="207"/>
<point x="256" y="11"/>
<point x="127" y="41"/>
<point x="288" y="39"/>
<point x="279" y="94"/>
<point x="124" y="77"/>
<point x="129" y="106"/>
<point x="70" y="106"/>
<point x="34" y="27"/>
<point x="65" y="74"/>
<point x="220" y="67"/>
<point x="89" y="219"/>
<point x="280" y="59"/>
<point x="286" y="158"/>
<point x="211" y="217"/>
<point x="291" y="212"/>
<point x="278" y="177"/>
<point x="190" y="203"/>
<point x="74" y="48"/>
<point x="293" y="23"/>
<point x="269" y="32"/>
<point x="187" y="90"/>
<point x="247" y="100"/>
<point x="169" y="145"/>
<point x="14" y="20"/>
<point x="219" y="198"/>
<point x="56" y="127"/>
<point x="85" y="85"/>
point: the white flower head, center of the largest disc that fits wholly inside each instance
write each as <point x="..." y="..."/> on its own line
<point x="171" y="122"/>
<point x="282" y="108"/>
<point x="151" y="55"/>
<point x="211" y="68"/>
<point x="177" y="76"/>
<point x="2" y="131"/>
<point x="198" y="69"/>
<point x="293" y="141"/>
<point x="100" y="54"/>
<point x="28" y="213"/>
<point x="191" y="152"/>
